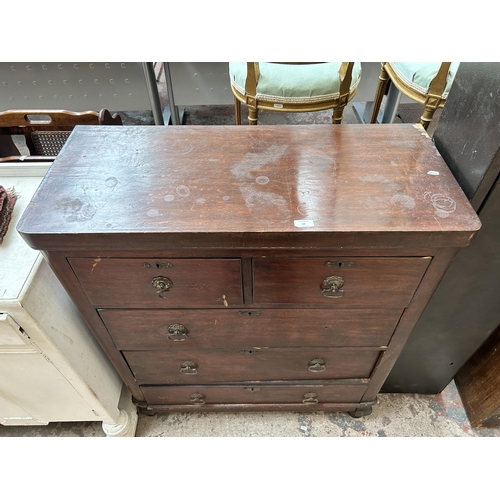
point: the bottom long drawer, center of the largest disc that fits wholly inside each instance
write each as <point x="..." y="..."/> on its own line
<point x="197" y="366"/>
<point x="200" y="395"/>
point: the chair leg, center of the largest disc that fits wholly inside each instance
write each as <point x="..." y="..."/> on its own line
<point x="252" y="116"/>
<point x="338" y="114"/>
<point x="426" y="117"/>
<point x="383" y="81"/>
<point x="237" y="111"/>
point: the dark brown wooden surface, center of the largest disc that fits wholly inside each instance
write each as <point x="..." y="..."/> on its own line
<point x="430" y="281"/>
<point x="248" y="216"/>
<point x="127" y="283"/>
<point x="181" y="395"/>
<point x="247" y="186"/>
<point x="145" y="329"/>
<point x="235" y="407"/>
<point x="369" y="282"/>
<point x="233" y="365"/>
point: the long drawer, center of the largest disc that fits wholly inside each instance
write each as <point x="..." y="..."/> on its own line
<point x="144" y="329"/>
<point x="350" y="282"/>
<point x="160" y="283"/>
<point x="197" y="366"/>
<point x="200" y="395"/>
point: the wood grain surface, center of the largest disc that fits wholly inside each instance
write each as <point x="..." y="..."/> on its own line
<point x="146" y="329"/>
<point x="233" y="365"/>
<point x="239" y="186"/>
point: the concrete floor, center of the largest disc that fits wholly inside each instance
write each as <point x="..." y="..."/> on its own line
<point x="395" y="415"/>
<point x="401" y="415"/>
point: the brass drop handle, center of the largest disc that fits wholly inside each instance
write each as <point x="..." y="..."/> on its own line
<point x="177" y="333"/>
<point x="331" y="287"/>
<point x="162" y="285"/>
<point x="317" y="365"/>
<point x="189" y="368"/>
<point x="310" y="398"/>
<point x="197" y="399"/>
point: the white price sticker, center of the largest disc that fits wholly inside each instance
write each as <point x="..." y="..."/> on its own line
<point x="303" y="223"/>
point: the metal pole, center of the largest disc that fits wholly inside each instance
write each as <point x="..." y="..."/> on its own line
<point x="154" y="97"/>
<point x="174" y="113"/>
<point x="392" y="104"/>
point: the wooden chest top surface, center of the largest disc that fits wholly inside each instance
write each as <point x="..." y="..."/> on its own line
<point x="242" y="185"/>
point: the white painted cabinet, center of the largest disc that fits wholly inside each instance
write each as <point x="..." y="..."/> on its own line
<point x="51" y="367"/>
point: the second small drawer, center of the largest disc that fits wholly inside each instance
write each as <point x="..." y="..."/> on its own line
<point x="347" y="282"/>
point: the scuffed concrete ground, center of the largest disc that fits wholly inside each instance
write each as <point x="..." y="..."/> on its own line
<point x="402" y="415"/>
<point x="395" y="415"/>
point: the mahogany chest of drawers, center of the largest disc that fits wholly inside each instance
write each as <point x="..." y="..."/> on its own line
<point x="241" y="268"/>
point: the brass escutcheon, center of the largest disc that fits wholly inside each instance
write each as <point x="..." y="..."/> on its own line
<point x="157" y="265"/>
<point x="339" y="263"/>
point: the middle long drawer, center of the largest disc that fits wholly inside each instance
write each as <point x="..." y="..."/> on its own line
<point x="144" y="329"/>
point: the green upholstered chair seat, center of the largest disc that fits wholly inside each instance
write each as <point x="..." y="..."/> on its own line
<point x="419" y="75"/>
<point x="288" y="83"/>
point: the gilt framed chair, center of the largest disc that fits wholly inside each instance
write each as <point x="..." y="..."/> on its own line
<point x="427" y="83"/>
<point x="293" y="87"/>
<point x="44" y="131"/>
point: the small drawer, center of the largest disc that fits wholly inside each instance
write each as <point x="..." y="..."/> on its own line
<point x="203" y="395"/>
<point x="127" y="283"/>
<point x="196" y="366"/>
<point x="339" y="282"/>
<point x="149" y="329"/>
